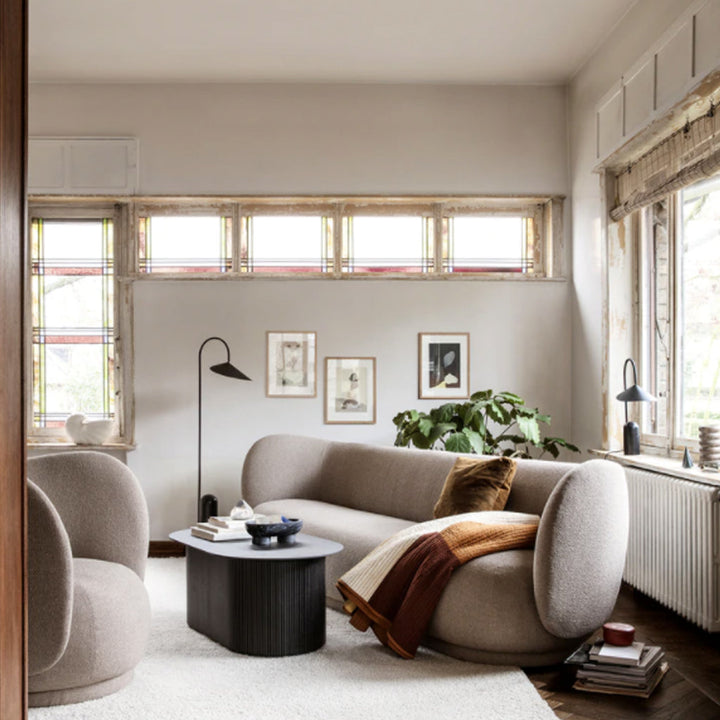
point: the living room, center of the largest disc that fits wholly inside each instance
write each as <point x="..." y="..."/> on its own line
<point x="297" y="132"/>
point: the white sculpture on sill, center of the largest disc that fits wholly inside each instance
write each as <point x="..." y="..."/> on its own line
<point x="87" y="432"/>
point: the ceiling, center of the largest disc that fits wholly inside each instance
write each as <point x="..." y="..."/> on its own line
<point x="386" y="41"/>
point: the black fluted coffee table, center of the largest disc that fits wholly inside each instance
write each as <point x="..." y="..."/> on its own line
<point x="256" y="600"/>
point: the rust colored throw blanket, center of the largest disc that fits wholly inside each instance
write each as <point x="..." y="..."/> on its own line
<point x="397" y="586"/>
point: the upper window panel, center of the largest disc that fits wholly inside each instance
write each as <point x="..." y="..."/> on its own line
<point x="379" y="244"/>
<point x="287" y="243"/>
<point x="489" y="244"/>
<point x="184" y="244"/>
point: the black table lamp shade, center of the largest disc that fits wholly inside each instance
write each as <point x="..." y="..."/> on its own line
<point x="207" y="504"/>
<point x="634" y="393"/>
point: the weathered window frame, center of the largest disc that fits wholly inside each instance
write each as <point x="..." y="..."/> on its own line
<point x="672" y="440"/>
<point x="546" y="212"/>
<point x="123" y="437"/>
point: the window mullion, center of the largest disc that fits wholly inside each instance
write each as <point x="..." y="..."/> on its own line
<point x="437" y="246"/>
<point x="236" y="245"/>
<point x="674" y="406"/>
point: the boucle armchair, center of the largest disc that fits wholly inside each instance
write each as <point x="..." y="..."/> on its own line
<point x="88" y="610"/>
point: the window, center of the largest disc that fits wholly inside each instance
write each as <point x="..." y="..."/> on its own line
<point x="680" y="313"/>
<point x="489" y="243"/>
<point x="336" y="237"/>
<point x="287" y="243"/>
<point x="184" y="244"/>
<point x="387" y="243"/>
<point x="74" y="320"/>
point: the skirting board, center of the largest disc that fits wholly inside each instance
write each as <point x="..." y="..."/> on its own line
<point x="166" y="548"/>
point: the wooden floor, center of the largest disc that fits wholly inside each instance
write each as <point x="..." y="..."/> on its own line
<point x="691" y="689"/>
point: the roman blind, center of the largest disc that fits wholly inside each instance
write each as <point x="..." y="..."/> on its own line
<point x="688" y="155"/>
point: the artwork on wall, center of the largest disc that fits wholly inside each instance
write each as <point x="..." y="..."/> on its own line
<point x="291" y="364"/>
<point x="443" y="365"/>
<point x="349" y="390"/>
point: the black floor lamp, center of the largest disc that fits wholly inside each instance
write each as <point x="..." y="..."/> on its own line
<point x="207" y="504"/>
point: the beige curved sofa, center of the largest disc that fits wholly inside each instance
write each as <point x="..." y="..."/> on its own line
<point x="520" y="607"/>
<point x="88" y="610"/>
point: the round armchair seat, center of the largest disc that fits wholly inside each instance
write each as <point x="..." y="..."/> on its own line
<point x="108" y="634"/>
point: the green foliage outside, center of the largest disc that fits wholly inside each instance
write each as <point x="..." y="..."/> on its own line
<point x="488" y="423"/>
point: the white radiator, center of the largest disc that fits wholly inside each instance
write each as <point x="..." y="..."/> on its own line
<point x="673" y="551"/>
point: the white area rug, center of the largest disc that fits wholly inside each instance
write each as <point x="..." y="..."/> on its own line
<point x="185" y="675"/>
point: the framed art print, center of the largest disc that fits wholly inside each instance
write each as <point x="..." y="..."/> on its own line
<point x="443" y="365"/>
<point x="349" y="390"/>
<point x="291" y="364"/>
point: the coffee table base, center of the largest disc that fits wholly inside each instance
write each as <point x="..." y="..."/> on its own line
<point x="257" y="607"/>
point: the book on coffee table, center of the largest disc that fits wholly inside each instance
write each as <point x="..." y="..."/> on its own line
<point x="207" y="531"/>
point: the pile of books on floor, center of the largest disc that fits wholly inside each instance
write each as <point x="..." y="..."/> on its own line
<point x="633" y="670"/>
<point x="220" y="528"/>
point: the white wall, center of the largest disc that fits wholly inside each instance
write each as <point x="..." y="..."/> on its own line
<point x="322" y="139"/>
<point x="641" y="27"/>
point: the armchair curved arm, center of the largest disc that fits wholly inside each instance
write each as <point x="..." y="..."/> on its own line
<point x="50" y="583"/>
<point x="101" y="505"/>
<point x="580" y="549"/>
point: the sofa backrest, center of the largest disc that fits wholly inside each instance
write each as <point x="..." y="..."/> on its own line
<point x="400" y="482"/>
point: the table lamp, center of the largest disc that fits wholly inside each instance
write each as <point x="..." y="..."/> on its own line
<point x="634" y="393"/>
<point x="207" y="504"/>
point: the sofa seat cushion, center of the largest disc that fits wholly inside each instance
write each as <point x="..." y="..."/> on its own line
<point x="494" y="597"/>
<point x="109" y="627"/>
<point x="357" y="530"/>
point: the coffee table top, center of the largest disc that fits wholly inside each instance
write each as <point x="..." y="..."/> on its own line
<point x="305" y="547"/>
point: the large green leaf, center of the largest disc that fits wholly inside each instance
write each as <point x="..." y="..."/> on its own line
<point x="511" y="397"/>
<point x="476" y="441"/>
<point x="458" y="442"/>
<point x="481" y="395"/>
<point x="425" y="425"/>
<point x="529" y="428"/>
<point x="495" y="412"/>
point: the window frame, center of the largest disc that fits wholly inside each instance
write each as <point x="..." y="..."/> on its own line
<point x="547" y="212"/>
<point x="672" y="441"/>
<point x="123" y="437"/>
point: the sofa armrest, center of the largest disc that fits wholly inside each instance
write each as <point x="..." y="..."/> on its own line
<point x="101" y="505"/>
<point x="50" y="583"/>
<point x="283" y="466"/>
<point x="580" y="549"/>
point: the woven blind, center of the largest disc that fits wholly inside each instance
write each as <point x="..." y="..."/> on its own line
<point x="688" y="155"/>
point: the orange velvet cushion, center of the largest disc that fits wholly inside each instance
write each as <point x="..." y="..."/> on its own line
<point x="473" y="485"/>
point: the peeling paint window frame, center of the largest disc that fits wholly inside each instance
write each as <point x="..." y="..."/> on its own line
<point x="660" y="336"/>
<point x="542" y="256"/>
<point x="120" y="324"/>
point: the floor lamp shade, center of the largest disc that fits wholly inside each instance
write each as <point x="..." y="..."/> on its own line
<point x="207" y="504"/>
<point x="634" y="393"/>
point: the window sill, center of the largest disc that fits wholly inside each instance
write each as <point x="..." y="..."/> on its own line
<point x="60" y="445"/>
<point x="660" y="464"/>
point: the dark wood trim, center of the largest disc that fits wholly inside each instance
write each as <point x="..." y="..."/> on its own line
<point x="166" y="548"/>
<point x="13" y="164"/>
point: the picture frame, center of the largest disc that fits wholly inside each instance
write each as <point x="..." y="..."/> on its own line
<point x="350" y="390"/>
<point x="443" y="365"/>
<point x="291" y="366"/>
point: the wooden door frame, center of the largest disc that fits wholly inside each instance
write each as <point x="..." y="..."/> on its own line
<point x="13" y="226"/>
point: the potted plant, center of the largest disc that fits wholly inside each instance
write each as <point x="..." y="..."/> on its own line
<point x="488" y="423"/>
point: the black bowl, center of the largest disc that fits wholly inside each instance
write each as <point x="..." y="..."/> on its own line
<point x="263" y="532"/>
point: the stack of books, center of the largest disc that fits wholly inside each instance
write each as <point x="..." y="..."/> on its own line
<point x="633" y="670"/>
<point x="220" y="528"/>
